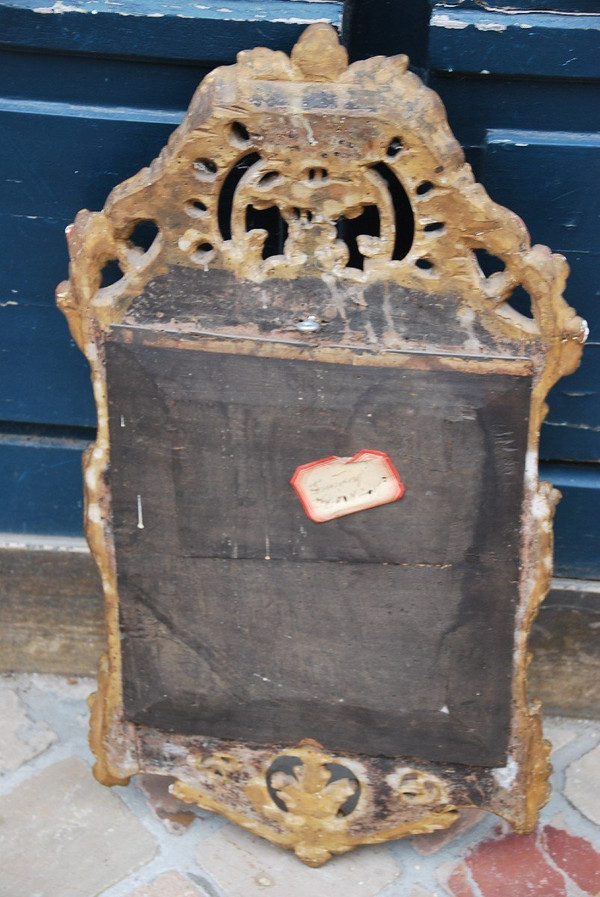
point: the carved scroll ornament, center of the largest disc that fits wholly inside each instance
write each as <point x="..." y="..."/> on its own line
<point x="318" y="145"/>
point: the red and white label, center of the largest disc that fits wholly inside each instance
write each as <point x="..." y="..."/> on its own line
<point x="334" y="487"/>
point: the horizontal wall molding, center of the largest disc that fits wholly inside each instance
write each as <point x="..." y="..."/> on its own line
<point x="209" y="32"/>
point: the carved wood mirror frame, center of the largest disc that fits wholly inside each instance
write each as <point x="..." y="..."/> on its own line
<point x="286" y="115"/>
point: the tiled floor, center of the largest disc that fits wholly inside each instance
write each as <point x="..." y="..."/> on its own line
<point x="63" y="835"/>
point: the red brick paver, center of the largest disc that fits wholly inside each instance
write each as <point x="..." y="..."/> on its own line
<point x="514" y="864"/>
<point x="575" y="856"/>
<point x="458" y="883"/>
<point x="525" y="865"/>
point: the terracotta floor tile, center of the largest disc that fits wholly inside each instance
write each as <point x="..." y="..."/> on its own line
<point x="434" y="841"/>
<point x="458" y="883"/>
<point x="575" y="856"/>
<point x="514" y="865"/>
<point x="171" y="884"/>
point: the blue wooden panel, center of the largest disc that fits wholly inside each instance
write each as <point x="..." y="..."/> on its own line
<point x="499" y="43"/>
<point x="572" y="430"/>
<point x="211" y="31"/>
<point x="551" y="180"/>
<point x="41" y="485"/>
<point x="477" y="103"/>
<point x="386" y="28"/>
<point x="45" y="378"/>
<point x="98" y="81"/>
<point x="569" y="6"/>
<point x="85" y="152"/>
<point x="583" y="288"/>
<point x="24" y="239"/>
<point x="576" y="531"/>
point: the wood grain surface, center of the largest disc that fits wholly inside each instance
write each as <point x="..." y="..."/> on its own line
<point x="242" y="618"/>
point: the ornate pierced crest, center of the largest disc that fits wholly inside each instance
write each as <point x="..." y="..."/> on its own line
<point x="345" y="181"/>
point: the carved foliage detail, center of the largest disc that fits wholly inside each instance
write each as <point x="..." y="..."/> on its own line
<point x="309" y="788"/>
<point x="416" y="788"/>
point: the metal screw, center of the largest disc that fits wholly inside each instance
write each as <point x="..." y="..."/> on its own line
<point x="311" y="324"/>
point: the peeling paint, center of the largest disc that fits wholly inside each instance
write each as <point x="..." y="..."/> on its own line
<point x="441" y="20"/>
<point x="59" y="7"/>
<point x="490" y="26"/>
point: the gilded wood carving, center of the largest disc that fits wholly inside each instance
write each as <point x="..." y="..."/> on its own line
<point x="319" y="144"/>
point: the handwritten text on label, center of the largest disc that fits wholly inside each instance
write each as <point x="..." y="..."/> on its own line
<point x="333" y="487"/>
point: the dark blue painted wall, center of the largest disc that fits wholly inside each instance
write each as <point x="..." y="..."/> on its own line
<point x="89" y="97"/>
<point x="522" y="91"/>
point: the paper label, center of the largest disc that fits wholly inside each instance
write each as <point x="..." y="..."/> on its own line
<point x="333" y="487"/>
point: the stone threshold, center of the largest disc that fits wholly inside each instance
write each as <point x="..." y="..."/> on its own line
<point x="52" y="621"/>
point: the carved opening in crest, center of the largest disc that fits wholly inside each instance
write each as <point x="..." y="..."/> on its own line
<point x="317" y="174"/>
<point x="255" y="196"/>
<point x="205" y="169"/>
<point x="513" y="294"/>
<point x="403" y="211"/>
<point x="196" y="208"/>
<point x="350" y="229"/>
<point x="394" y="148"/>
<point x="238" y="134"/>
<point x="143" y="235"/>
<point x="203" y="253"/>
<point x="434" y="227"/>
<point x="230" y="184"/>
<point x="520" y="300"/>
<point x="272" y="221"/>
<point x="110" y="274"/>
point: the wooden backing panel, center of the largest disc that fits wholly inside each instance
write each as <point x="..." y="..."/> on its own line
<point x="375" y="315"/>
<point x="209" y="443"/>
<point x="52" y="621"/>
<point x="378" y="659"/>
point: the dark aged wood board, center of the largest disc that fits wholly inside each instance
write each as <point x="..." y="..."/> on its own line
<point x="406" y="610"/>
<point x="377" y="314"/>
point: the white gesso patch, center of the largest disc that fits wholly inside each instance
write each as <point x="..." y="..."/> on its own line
<point x="506" y="775"/>
<point x="93" y="512"/>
